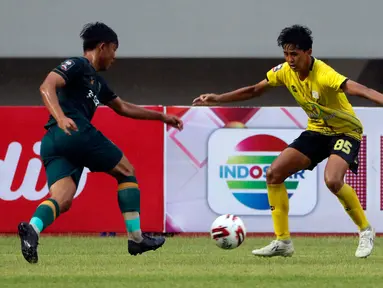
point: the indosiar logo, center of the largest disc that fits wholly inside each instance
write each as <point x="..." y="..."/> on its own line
<point x="245" y="174"/>
<point x="237" y="172"/>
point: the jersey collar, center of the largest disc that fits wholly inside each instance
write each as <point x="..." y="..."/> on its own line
<point x="87" y="61"/>
<point x="312" y="63"/>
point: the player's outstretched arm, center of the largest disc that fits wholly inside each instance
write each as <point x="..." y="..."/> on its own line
<point x="49" y="95"/>
<point x="241" y="94"/>
<point x="356" y="89"/>
<point x="130" y="110"/>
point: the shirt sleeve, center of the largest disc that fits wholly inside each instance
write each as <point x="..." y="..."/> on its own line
<point x="70" y="69"/>
<point x="275" y="76"/>
<point x="106" y="94"/>
<point x="333" y="79"/>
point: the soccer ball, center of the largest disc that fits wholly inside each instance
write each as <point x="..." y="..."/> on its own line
<point x="228" y="231"/>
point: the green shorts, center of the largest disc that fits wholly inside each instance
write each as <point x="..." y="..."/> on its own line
<point x="65" y="155"/>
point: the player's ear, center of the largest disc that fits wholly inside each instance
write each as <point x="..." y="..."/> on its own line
<point x="102" y="46"/>
<point x="309" y="52"/>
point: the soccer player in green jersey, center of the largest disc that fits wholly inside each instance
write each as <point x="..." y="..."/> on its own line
<point x="72" y="92"/>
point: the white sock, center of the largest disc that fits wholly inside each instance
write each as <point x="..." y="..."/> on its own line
<point x="36" y="229"/>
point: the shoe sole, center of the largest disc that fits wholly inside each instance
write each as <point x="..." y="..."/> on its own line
<point x="274" y="255"/>
<point x="363" y="257"/>
<point x="139" y="253"/>
<point x="29" y="254"/>
<point x="269" y="256"/>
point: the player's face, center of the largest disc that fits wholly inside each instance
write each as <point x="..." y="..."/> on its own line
<point x="107" y="55"/>
<point x="298" y="59"/>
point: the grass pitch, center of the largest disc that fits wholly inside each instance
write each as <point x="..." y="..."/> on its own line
<point x="188" y="262"/>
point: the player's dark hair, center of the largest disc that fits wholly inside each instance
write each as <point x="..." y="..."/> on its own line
<point x="95" y="33"/>
<point x="297" y="35"/>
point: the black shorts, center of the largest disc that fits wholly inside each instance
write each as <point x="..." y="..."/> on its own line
<point x="319" y="147"/>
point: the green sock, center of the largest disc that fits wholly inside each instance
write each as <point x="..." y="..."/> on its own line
<point x="45" y="214"/>
<point x="129" y="203"/>
<point x="129" y="195"/>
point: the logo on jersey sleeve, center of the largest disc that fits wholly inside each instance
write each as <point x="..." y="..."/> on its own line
<point x="66" y="65"/>
<point x="277" y="68"/>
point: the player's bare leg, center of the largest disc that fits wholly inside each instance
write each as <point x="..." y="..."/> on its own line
<point x="62" y="193"/>
<point x="129" y="203"/>
<point x="287" y="163"/>
<point x="335" y="171"/>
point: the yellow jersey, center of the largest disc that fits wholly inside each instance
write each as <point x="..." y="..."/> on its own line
<point x="321" y="97"/>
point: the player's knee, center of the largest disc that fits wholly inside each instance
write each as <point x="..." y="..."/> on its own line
<point x="65" y="205"/>
<point x="63" y="192"/>
<point x="121" y="175"/>
<point x="273" y="176"/>
<point x="130" y="171"/>
<point x="123" y="169"/>
<point x="333" y="183"/>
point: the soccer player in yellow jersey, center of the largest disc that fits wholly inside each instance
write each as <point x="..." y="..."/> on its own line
<point x="333" y="132"/>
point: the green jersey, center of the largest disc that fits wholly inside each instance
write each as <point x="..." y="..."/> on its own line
<point x="83" y="92"/>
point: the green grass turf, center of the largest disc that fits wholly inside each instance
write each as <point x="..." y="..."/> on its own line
<point x="188" y="262"/>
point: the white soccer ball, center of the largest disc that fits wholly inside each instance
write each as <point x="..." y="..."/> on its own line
<point x="228" y="231"/>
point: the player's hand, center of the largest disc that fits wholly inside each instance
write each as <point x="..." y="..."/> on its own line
<point x="206" y="100"/>
<point x="67" y="124"/>
<point x="173" y="121"/>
